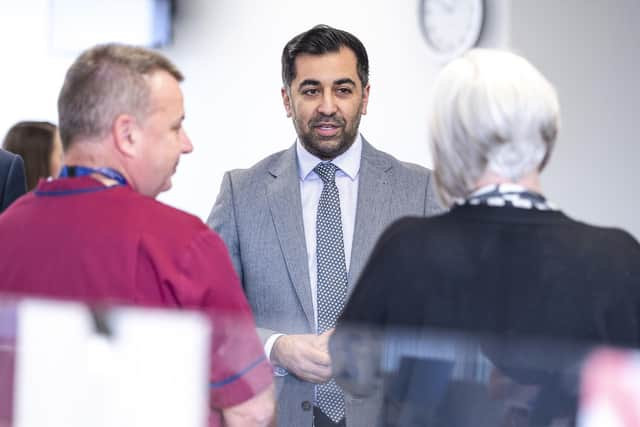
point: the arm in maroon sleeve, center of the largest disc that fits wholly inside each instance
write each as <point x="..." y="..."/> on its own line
<point x="239" y="369"/>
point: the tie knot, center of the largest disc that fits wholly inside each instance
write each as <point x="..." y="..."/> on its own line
<point x="327" y="172"/>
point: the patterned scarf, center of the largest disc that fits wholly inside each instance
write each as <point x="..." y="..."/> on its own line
<point x="513" y="195"/>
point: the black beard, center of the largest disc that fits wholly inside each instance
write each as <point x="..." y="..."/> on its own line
<point x="315" y="144"/>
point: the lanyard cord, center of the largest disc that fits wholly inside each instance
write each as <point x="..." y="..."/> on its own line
<point x="76" y="171"/>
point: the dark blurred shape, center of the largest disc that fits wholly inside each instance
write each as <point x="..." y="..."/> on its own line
<point x="12" y="179"/>
<point x="446" y="379"/>
<point x="416" y="390"/>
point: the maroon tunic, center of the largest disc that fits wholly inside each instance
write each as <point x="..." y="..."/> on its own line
<point x="76" y="239"/>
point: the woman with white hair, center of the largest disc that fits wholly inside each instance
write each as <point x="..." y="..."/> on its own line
<point x="504" y="259"/>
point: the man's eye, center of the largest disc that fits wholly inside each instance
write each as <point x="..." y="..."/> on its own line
<point x="310" y="92"/>
<point x="344" y="91"/>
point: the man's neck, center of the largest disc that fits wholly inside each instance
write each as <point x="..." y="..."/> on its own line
<point x="92" y="155"/>
<point x="349" y="161"/>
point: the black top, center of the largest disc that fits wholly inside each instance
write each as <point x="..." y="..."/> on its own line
<point x="503" y="270"/>
<point x="522" y="277"/>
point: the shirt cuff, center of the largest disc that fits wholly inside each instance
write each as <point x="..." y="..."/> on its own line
<point x="278" y="371"/>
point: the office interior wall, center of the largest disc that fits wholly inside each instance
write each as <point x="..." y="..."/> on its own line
<point x="31" y="74"/>
<point x="589" y="51"/>
<point x="230" y="51"/>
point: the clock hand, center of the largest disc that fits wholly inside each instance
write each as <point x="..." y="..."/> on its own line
<point x="445" y="5"/>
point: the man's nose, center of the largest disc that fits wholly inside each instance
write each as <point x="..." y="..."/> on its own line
<point x="187" y="146"/>
<point x="328" y="104"/>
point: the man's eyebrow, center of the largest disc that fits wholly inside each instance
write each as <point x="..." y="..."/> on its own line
<point x="344" y="81"/>
<point x="309" y="82"/>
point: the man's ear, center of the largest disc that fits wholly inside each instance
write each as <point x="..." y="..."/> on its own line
<point x="286" y="101"/>
<point x="126" y="134"/>
<point x="365" y="98"/>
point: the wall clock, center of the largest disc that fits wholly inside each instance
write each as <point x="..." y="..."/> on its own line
<point x="451" y="27"/>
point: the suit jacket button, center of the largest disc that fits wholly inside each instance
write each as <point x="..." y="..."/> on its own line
<point x="306" y="405"/>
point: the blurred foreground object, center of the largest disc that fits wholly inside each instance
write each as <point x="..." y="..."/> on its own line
<point x="77" y="367"/>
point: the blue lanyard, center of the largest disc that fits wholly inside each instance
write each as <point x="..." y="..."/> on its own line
<point x="75" y="171"/>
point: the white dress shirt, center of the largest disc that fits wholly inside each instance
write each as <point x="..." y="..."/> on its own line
<point x="347" y="177"/>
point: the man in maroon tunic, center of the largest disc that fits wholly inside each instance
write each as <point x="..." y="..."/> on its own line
<point x="98" y="235"/>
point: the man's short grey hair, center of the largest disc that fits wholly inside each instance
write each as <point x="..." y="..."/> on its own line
<point x="104" y="82"/>
<point x="492" y="111"/>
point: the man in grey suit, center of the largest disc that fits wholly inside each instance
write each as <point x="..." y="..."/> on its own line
<point x="275" y="215"/>
<point x="13" y="183"/>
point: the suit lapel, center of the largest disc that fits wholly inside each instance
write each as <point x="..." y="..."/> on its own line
<point x="372" y="212"/>
<point x="283" y="193"/>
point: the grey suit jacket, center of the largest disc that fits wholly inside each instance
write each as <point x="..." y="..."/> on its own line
<point x="258" y="213"/>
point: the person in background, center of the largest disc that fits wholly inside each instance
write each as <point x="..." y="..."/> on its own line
<point x="97" y="234"/>
<point x="504" y="260"/>
<point x="12" y="178"/>
<point x="300" y="224"/>
<point x="39" y="145"/>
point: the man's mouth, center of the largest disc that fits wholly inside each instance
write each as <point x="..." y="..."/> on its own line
<point x="326" y="128"/>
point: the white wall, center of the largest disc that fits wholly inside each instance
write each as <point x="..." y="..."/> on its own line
<point x="30" y="74"/>
<point x="230" y="52"/>
<point x="589" y="50"/>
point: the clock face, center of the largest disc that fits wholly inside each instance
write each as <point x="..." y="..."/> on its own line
<point x="451" y="26"/>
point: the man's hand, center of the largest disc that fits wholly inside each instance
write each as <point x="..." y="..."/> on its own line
<point x="306" y="356"/>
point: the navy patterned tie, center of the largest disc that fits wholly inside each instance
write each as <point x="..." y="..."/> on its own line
<point x="332" y="277"/>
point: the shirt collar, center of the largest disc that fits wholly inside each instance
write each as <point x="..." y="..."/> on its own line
<point x="348" y="162"/>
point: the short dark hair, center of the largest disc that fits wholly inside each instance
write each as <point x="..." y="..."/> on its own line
<point x="319" y="40"/>
<point x="33" y="141"/>
<point x="105" y="81"/>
